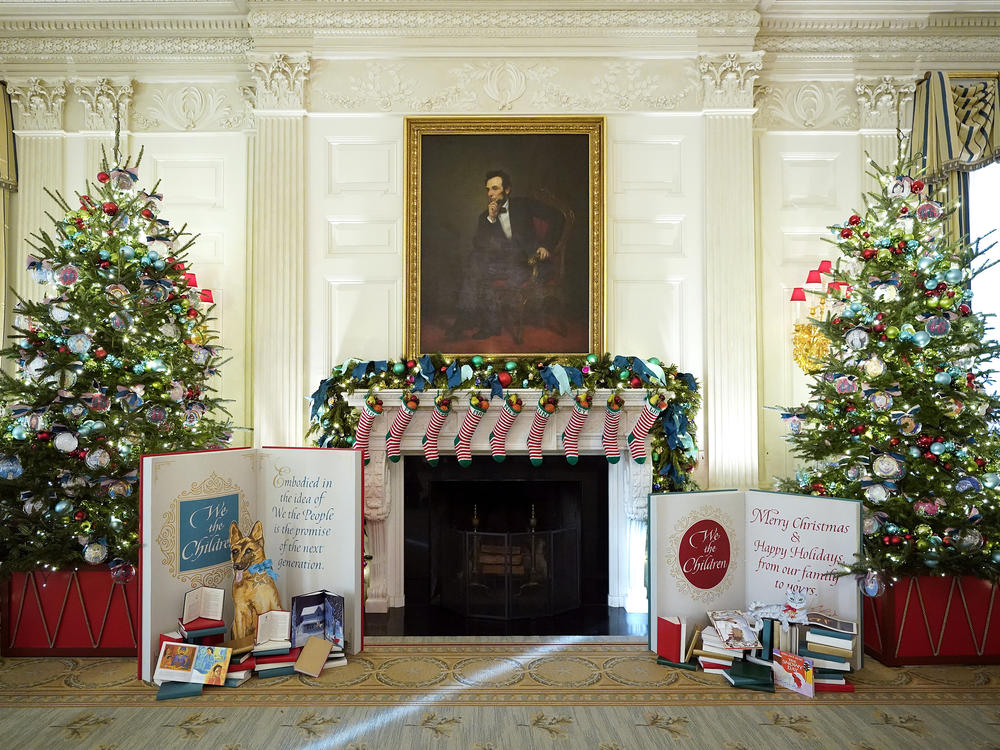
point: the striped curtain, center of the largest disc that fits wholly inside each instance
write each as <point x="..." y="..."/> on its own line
<point x="956" y="129"/>
<point x="8" y="184"/>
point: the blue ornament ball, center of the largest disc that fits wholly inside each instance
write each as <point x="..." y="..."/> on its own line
<point x="921" y="338"/>
<point x="996" y="556"/>
<point x="942" y="378"/>
<point x="159" y="265"/>
<point x="915" y="451"/>
<point x="930" y="284"/>
<point x="991" y="480"/>
<point x="937" y="448"/>
<point x="153" y="255"/>
<point x="128" y="252"/>
<point x="953" y="276"/>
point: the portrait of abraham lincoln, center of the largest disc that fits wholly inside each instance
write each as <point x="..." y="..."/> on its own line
<point x="504" y="240"/>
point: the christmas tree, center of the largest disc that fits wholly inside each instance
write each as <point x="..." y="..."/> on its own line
<point x="899" y="415"/>
<point x="112" y="363"/>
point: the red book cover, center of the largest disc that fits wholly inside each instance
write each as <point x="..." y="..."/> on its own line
<point x="825" y="687"/>
<point x="288" y="658"/>
<point x="170" y="638"/>
<point x="670" y="638"/>
<point x="242" y="666"/>
<point x="200" y="623"/>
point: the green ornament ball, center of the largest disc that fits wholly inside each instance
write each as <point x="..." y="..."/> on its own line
<point x="623" y="375"/>
<point x="349" y="440"/>
<point x="923" y="545"/>
<point x="932" y="302"/>
<point x="592" y="359"/>
<point x="923" y="530"/>
<point x="477" y="361"/>
<point x="654" y="361"/>
<point x="511" y="365"/>
<point x="399" y="368"/>
<point x="892" y="332"/>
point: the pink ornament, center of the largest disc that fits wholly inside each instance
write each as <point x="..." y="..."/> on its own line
<point x="410" y="379"/>
<point x="585" y="370"/>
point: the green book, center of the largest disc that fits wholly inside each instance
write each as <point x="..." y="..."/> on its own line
<point x="689" y="665"/>
<point x="745" y="673"/>
<point x="170" y="690"/>
<point x="276" y="672"/>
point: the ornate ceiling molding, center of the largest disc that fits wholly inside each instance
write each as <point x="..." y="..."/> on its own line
<point x="728" y="79"/>
<point x="281" y="81"/>
<point x="105" y="102"/>
<point x="193" y="107"/>
<point x="38" y="104"/>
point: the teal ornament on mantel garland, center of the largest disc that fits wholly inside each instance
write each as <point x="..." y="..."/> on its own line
<point x="673" y="447"/>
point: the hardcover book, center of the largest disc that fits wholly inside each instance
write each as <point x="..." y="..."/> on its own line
<point x="187" y="662"/>
<point x="309" y="501"/>
<point x="202" y="604"/>
<point x="794" y="672"/>
<point x="273" y="629"/>
<point x="318" y="613"/>
<point x="313" y="656"/>
<point x="720" y="550"/>
<point x="733" y="629"/>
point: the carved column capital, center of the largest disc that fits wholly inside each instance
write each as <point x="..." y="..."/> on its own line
<point x="728" y="79"/>
<point x="281" y="81"/>
<point x="38" y="103"/>
<point x="881" y="100"/>
<point x="102" y="100"/>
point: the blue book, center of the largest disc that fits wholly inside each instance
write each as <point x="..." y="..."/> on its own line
<point x="276" y="672"/>
<point x="803" y="651"/>
<point x="831" y="634"/>
<point x="193" y="634"/>
<point x="272" y="652"/>
<point x="170" y="690"/>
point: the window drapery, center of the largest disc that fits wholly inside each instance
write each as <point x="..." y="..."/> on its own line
<point x="956" y="129"/>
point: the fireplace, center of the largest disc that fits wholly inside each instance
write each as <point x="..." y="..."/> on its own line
<point x="395" y="500"/>
<point x="506" y="541"/>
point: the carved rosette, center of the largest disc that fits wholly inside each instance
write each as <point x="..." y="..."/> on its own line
<point x="38" y="103"/>
<point x="281" y="81"/>
<point x="104" y="101"/>
<point x="881" y="101"/>
<point x="728" y="80"/>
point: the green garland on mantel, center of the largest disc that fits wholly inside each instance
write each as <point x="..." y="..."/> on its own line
<point x="673" y="447"/>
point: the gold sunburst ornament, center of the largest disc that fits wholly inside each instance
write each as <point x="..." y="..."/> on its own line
<point x="809" y="346"/>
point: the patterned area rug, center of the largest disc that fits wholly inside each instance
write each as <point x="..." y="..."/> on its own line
<point x="494" y="696"/>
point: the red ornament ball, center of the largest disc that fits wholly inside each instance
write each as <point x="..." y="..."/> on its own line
<point x="99" y="353"/>
<point x="80" y="515"/>
<point x="503" y="378"/>
<point x="980" y="462"/>
<point x="894" y="441"/>
<point x="635" y="382"/>
<point x="854" y="220"/>
<point x="846" y="232"/>
<point x="865" y="235"/>
<point x="110" y="208"/>
<point x="62" y="349"/>
<point x="964" y="309"/>
<point x="916" y="186"/>
<point x="868" y="253"/>
<point x="43" y="435"/>
<point x="904" y="210"/>
<point x="103" y="177"/>
<point x="146" y="213"/>
<point x="105" y="264"/>
<point x="192" y="313"/>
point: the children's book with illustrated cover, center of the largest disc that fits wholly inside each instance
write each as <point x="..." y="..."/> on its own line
<point x="188" y="662"/>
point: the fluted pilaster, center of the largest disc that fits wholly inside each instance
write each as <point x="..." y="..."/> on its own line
<point x="881" y="104"/>
<point x="277" y="230"/>
<point x="731" y="397"/>
<point x="38" y="130"/>
<point x="106" y="103"/>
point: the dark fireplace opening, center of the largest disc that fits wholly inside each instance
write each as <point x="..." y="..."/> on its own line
<point x="505" y="543"/>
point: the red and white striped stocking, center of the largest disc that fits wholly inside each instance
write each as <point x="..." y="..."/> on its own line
<point x="543" y="410"/>
<point x="609" y="435"/>
<point x="512" y="406"/>
<point x="570" y="437"/>
<point x="477" y="410"/>
<point x="399" y="424"/>
<point x="442" y="408"/>
<point x="651" y="409"/>
<point x="371" y="409"/>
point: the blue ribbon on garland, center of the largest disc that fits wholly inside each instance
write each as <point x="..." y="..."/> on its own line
<point x="646" y="372"/>
<point x="620" y="362"/>
<point x="689" y="380"/>
<point x="454" y="375"/>
<point x="319" y="398"/>
<point x="494" y="385"/>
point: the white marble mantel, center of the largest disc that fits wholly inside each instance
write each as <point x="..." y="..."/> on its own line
<point x="629" y="485"/>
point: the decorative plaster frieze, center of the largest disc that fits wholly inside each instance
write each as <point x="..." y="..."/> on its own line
<point x="878" y="45"/>
<point x="193" y="108"/>
<point x="281" y="81"/>
<point x="558" y="85"/>
<point x="38" y="103"/>
<point x="105" y="102"/>
<point x="505" y="21"/>
<point x="826" y="105"/>
<point x="882" y="101"/>
<point x="728" y="80"/>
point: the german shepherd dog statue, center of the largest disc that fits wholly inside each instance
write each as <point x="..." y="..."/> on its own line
<point x="254" y="591"/>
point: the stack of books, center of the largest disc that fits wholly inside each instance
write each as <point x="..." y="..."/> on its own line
<point x="831" y="644"/>
<point x="201" y="619"/>
<point x="241" y="664"/>
<point x="714" y="656"/>
<point x="750" y="675"/>
<point x="272" y="651"/>
<point x="183" y="668"/>
<point x="276" y="665"/>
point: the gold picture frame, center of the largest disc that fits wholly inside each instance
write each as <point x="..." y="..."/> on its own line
<point x="535" y="289"/>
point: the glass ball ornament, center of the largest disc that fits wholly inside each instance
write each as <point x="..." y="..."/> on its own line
<point x="937" y="448"/>
<point x="968" y="540"/>
<point x="592" y="359"/>
<point x="870" y="525"/>
<point x="914" y="451"/>
<point x="991" y="480"/>
<point x="995" y="556"/>
<point x="95" y="553"/>
<point x="873" y="584"/>
<point x="349" y="440"/>
<point x="921" y="338"/>
<point x="923" y="530"/>
<point x="477" y="361"/>
<point x="511" y="365"/>
<point x="942" y="378"/>
<point x="953" y="275"/>
<point x="63" y="506"/>
<point x="399" y="368"/>
<point x="932" y="558"/>
<point x="922" y="545"/>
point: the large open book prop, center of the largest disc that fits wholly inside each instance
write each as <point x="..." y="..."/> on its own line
<point x="721" y="550"/>
<point x="308" y="500"/>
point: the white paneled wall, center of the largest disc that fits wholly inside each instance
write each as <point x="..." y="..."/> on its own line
<point x="203" y="178"/>
<point x="808" y="181"/>
<point x="355" y="240"/>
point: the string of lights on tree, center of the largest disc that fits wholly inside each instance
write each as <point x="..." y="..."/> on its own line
<point x="673" y="449"/>
<point x="899" y="413"/>
<point x="112" y="362"/>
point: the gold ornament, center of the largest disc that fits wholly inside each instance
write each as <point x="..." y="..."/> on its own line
<point x="809" y="345"/>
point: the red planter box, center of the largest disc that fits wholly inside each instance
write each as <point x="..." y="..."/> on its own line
<point x="69" y="613"/>
<point x="934" y="620"/>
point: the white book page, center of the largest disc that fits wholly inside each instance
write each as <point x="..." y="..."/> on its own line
<point x="274" y="626"/>
<point x="192" y="605"/>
